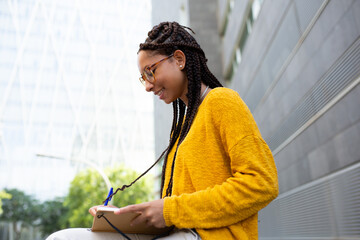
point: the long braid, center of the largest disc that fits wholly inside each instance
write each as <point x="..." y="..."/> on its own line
<point x="179" y="112"/>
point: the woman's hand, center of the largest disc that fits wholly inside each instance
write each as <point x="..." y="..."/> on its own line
<point x="93" y="209"/>
<point x="150" y="212"/>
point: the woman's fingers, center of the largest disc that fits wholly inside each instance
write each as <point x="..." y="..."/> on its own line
<point x="130" y="208"/>
<point x="150" y="213"/>
<point x="94" y="209"/>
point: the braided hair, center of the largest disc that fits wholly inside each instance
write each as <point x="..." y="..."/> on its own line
<point x="165" y="39"/>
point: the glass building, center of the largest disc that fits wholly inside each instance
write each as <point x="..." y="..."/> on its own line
<point x="69" y="91"/>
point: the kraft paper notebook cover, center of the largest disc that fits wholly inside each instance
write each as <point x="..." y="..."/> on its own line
<point x="122" y="222"/>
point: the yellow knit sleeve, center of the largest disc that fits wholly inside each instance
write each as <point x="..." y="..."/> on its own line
<point x="252" y="186"/>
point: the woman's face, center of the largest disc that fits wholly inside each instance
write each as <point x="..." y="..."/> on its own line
<point x="171" y="82"/>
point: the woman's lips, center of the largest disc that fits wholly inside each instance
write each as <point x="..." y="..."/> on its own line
<point x="160" y="93"/>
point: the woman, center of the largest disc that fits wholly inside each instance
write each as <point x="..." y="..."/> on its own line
<point x="218" y="171"/>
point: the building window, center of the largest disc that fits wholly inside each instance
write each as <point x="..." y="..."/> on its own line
<point x="255" y="8"/>
<point x="231" y="5"/>
<point x="251" y="16"/>
<point x="229" y="9"/>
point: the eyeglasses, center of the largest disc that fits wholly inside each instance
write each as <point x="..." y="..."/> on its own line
<point x="148" y="74"/>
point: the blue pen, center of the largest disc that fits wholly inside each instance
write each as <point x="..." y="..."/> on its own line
<point x="108" y="199"/>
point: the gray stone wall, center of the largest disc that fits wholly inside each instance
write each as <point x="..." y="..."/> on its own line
<point x="299" y="75"/>
<point x="292" y="50"/>
<point x="203" y="21"/>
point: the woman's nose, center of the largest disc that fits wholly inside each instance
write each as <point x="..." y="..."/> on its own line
<point x="148" y="86"/>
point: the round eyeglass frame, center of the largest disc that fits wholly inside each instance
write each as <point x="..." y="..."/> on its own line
<point x="148" y="74"/>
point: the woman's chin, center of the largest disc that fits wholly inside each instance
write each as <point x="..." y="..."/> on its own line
<point x="167" y="102"/>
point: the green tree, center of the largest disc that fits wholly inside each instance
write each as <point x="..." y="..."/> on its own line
<point x="53" y="216"/>
<point x="88" y="189"/>
<point x="3" y="195"/>
<point x="21" y="210"/>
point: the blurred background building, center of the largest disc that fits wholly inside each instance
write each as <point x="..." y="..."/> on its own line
<point x="69" y="91"/>
<point x="297" y="66"/>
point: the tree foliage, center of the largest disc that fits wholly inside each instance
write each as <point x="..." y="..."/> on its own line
<point x="53" y="216"/>
<point x="89" y="189"/>
<point x="20" y="210"/>
<point x="3" y="195"/>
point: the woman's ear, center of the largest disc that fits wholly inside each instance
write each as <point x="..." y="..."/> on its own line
<point x="180" y="59"/>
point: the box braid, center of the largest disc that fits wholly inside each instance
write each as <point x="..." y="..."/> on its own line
<point x="165" y="39"/>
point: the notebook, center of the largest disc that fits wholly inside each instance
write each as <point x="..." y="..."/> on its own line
<point x="122" y="222"/>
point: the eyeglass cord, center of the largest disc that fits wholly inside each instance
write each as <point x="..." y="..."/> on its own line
<point x="127" y="237"/>
<point x="123" y="234"/>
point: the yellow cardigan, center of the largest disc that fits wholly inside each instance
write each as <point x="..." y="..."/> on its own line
<point x="224" y="172"/>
